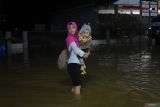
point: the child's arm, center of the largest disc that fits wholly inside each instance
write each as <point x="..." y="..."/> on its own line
<point x="81" y="61"/>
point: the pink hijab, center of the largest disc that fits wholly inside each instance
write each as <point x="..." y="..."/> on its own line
<point x="70" y="38"/>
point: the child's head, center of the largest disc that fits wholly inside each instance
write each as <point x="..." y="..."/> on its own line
<point x="84" y="34"/>
<point x="72" y="28"/>
<point x="86" y="30"/>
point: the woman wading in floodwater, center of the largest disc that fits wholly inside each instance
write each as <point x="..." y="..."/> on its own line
<point x="73" y="66"/>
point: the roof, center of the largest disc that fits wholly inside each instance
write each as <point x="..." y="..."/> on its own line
<point x="128" y="2"/>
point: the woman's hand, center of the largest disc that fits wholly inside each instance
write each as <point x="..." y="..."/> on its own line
<point x="86" y="55"/>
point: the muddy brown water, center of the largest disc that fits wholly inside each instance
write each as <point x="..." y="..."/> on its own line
<point x="117" y="76"/>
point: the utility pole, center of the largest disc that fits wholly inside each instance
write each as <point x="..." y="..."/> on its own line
<point x="149" y="18"/>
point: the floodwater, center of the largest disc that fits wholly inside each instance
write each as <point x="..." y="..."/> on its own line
<point x="118" y="76"/>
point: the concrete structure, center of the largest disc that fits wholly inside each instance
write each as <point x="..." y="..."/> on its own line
<point x="17" y="48"/>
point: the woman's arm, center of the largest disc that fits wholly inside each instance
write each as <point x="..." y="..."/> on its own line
<point x="77" y="50"/>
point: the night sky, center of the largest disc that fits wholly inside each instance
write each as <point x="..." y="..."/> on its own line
<point x="24" y="12"/>
<point x="20" y="12"/>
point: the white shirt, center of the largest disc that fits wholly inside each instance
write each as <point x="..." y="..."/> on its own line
<point x="74" y="51"/>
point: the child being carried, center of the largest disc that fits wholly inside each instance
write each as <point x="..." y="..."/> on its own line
<point x="85" y="38"/>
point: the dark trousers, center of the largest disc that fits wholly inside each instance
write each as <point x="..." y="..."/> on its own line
<point x="74" y="71"/>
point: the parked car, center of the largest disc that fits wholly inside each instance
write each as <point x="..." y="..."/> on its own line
<point x="2" y="48"/>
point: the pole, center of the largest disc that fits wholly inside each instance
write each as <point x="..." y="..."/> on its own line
<point x="9" y="48"/>
<point x="25" y="45"/>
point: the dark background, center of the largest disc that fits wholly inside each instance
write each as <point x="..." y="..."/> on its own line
<point x="26" y="13"/>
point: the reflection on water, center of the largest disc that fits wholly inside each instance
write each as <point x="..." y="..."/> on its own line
<point x="138" y="72"/>
<point x="118" y="76"/>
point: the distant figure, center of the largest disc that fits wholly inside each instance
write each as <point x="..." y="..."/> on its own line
<point x="85" y="38"/>
<point x="73" y="66"/>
